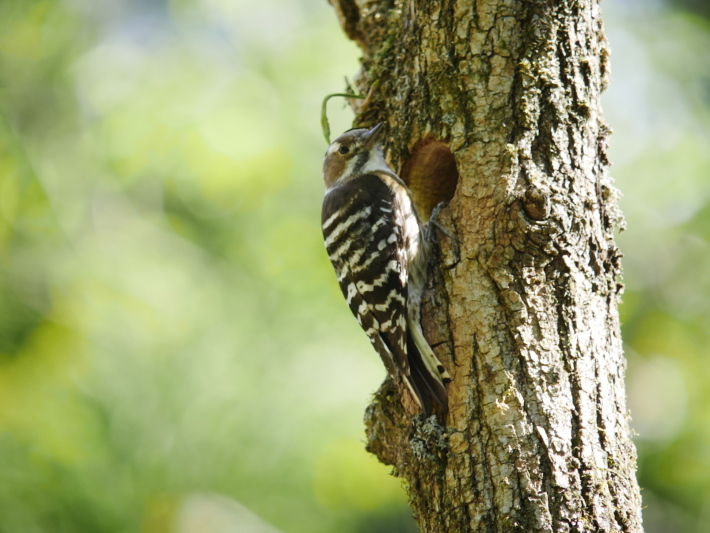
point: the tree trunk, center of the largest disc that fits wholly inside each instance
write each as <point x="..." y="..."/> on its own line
<point x="495" y="105"/>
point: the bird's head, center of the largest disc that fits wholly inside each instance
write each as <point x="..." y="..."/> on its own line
<point x="354" y="153"/>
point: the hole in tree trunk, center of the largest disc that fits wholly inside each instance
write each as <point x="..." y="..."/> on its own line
<point x="430" y="173"/>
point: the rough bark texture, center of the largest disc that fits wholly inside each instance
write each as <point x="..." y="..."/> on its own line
<point x="523" y="305"/>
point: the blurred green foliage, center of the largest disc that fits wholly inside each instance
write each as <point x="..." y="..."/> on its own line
<point x="171" y="335"/>
<point x="659" y="107"/>
<point x="174" y="351"/>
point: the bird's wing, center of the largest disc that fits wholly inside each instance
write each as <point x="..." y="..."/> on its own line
<point x="366" y="247"/>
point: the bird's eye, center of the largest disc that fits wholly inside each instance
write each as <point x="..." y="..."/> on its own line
<point x="343" y="150"/>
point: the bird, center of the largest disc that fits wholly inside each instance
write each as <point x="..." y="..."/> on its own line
<point x="376" y="243"/>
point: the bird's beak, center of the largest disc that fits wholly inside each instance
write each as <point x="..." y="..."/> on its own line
<point x="373" y="135"/>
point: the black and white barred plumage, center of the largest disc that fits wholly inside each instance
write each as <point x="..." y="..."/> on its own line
<point x="374" y="240"/>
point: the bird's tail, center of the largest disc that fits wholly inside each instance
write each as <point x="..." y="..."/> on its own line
<point x="426" y="377"/>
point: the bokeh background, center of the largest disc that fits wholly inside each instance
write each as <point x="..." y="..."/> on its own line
<point x="175" y="355"/>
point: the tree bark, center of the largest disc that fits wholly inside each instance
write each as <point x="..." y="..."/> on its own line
<point x="495" y="106"/>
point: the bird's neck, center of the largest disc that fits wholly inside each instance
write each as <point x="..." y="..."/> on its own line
<point x="371" y="163"/>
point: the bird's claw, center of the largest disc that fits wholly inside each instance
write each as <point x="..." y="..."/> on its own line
<point x="433" y="223"/>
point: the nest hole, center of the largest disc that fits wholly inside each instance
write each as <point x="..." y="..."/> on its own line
<point x="430" y="173"/>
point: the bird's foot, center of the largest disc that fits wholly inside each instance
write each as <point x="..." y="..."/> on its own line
<point x="429" y="233"/>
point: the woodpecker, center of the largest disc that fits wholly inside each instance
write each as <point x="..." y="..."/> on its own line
<point x="375" y="240"/>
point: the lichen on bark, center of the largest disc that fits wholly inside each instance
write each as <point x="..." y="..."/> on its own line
<point x="522" y="307"/>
